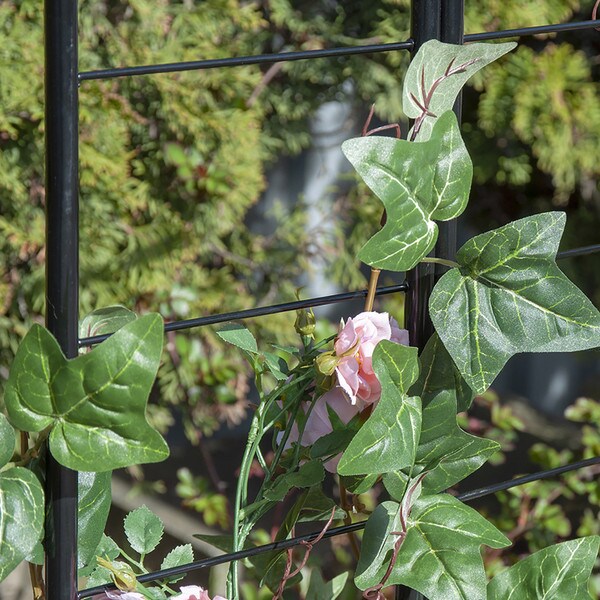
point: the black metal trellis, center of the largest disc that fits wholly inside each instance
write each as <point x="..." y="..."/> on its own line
<point x="440" y="19"/>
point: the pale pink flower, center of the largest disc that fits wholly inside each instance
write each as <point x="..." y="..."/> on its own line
<point x="354" y="346"/>
<point x="118" y="595"/>
<point x="318" y="423"/>
<point x="194" y="592"/>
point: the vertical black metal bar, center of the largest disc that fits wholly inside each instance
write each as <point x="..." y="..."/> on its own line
<point x="62" y="264"/>
<point x="452" y="32"/>
<point x="425" y="25"/>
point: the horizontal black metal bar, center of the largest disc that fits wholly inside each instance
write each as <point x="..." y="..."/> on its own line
<point x="261" y="311"/>
<point x="261" y="59"/>
<point x="258" y="59"/>
<point x="295" y="541"/>
<point x="299" y="304"/>
<point x="525" y="31"/>
<point x="582" y="251"/>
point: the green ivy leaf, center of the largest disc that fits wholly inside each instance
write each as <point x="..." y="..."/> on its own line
<point x="143" y="529"/>
<point x="322" y="590"/>
<point x="509" y="297"/>
<point x="94" y="504"/>
<point x="179" y="556"/>
<point x="105" y="320"/>
<point x="445" y="451"/>
<point x="21" y="516"/>
<point x="438" y="374"/>
<point x="309" y="474"/>
<point x="440" y="556"/>
<point x="95" y="404"/>
<point x="388" y="439"/>
<point x="417" y="182"/>
<point x="437" y="74"/>
<point x="7" y="440"/>
<point x="555" y="573"/>
<point x="240" y="336"/>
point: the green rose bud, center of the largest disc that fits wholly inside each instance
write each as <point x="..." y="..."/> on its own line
<point x="305" y="322"/>
<point x="327" y="362"/>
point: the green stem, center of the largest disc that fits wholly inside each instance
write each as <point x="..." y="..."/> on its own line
<point x="440" y="261"/>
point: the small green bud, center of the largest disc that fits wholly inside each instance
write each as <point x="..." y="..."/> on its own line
<point x="305" y="322"/>
<point x="122" y="574"/>
<point x="327" y="362"/>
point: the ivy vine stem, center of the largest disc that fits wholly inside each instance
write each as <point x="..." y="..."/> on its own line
<point x="440" y="261"/>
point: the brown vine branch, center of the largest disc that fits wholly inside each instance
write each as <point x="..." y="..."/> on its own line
<point x="288" y="573"/>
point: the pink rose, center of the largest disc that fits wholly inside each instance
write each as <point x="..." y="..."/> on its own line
<point x="118" y="595"/>
<point x="354" y="346"/>
<point x="194" y="592"/>
<point x="319" y="425"/>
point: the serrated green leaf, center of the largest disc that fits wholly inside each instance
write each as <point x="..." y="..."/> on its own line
<point x="21" y="516"/>
<point x="510" y="297"/>
<point x="309" y="474"/>
<point x="276" y="365"/>
<point x="317" y="506"/>
<point x="440" y="556"/>
<point x="94" y="403"/>
<point x="94" y="500"/>
<point x="239" y="336"/>
<point x="105" y="320"/>
<point x="388" y="439"/>
<point x="7" y="440"/>
<point x="106" y="549"/>
<point x="143" y="529"/>
<point x="322" y="590"/>
<point x="555" y="573"/>
<point x="179" y="556"/>
<point x="435" y="77"/>
<point x="417" y="183"/>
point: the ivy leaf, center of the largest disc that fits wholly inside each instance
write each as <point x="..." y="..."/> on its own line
<point x="95" y="403"/>
<point x="317" y="506"/>
<point x="554" y="573"/>
<point x="21" y="516"/>
<point x="388" y="439"/>
<point x="445" y="451"/>
<point x="94" y="499"/>
<point x="321" y="590"/>
<point x="105" y="320"/>
<point x="143" y="529"/>
<point x="417" y="182"/>
<point x="7" y="440"/>
<point x="240" y="336"/>
<point x="180" y="555"/>
<point x="437" y="74"/>
<point x="438" y="373"/>
<point x="309" y="474"/>
<point x="509" y="297"/>
<point x="440" y="556"/>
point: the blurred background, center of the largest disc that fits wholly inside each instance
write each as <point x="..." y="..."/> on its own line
<point x="225" y="189"/>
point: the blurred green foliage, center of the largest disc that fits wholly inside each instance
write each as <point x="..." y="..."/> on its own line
<point x="172" y="164"/>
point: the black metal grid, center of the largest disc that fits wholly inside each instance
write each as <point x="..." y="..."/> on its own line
<point x="431" y="19"/>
